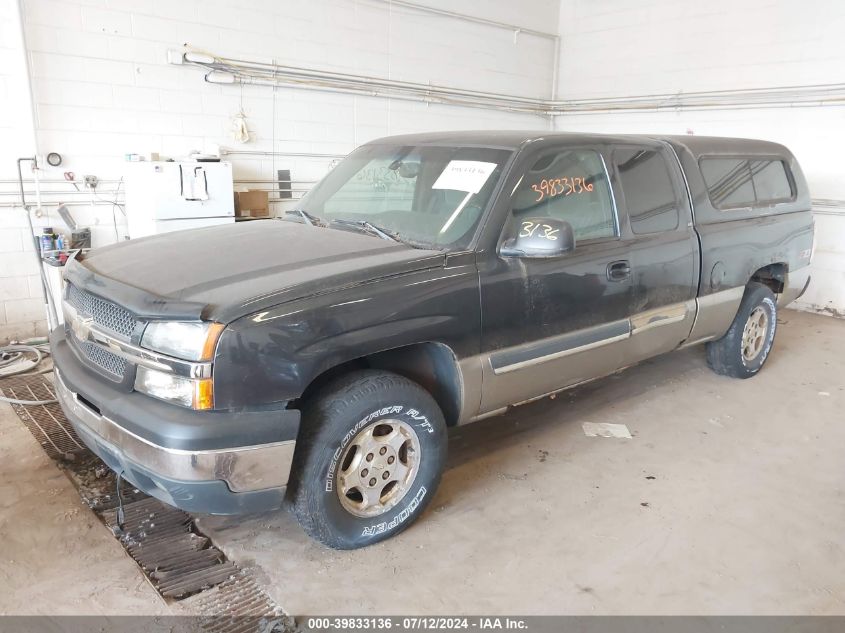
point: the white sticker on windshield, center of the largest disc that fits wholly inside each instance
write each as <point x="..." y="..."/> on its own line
<point x="464" y="175"/>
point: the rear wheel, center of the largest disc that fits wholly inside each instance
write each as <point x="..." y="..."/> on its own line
<point x="369" y="459"/>
<point x="743" y="350"/>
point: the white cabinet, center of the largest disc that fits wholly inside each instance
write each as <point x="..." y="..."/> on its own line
<point x="172" y="196"/>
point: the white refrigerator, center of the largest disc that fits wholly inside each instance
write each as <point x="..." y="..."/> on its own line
<point x="166" y="196"/>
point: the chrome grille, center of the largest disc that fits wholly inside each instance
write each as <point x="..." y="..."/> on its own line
<point x="104" y="313"/>
<point x="103" y="358"/>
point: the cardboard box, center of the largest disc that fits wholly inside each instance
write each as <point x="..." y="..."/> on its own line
<point x="254" y="203"/>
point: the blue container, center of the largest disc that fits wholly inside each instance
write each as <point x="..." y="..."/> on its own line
<point x="46" y="240"/>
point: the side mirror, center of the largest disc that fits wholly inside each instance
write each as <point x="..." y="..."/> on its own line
<point x="540" y="237"/>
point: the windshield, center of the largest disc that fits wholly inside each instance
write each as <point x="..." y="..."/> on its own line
<point x="427" y="196"/>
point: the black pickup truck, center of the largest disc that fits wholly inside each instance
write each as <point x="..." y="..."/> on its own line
<point x="427" y="281"/>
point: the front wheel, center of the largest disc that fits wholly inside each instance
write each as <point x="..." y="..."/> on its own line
<point x="368" y="460"/>
<point x="743" y="350"/>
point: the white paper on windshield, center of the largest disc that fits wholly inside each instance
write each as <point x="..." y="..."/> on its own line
<point x="464" y="175"/>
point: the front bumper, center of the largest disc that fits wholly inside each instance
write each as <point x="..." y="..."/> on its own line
<point x="208" y="477"/>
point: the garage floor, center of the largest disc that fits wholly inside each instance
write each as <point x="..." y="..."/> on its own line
<point x="728" y="500"/>
<point x="56" y="557"/>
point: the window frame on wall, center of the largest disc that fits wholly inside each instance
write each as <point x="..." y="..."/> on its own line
<point x="748" y="159"/>
<point x="677" y="193"/>
<point x="608" y="180"/>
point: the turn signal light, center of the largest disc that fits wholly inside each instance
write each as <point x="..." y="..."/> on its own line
<point x="203" y="394"/>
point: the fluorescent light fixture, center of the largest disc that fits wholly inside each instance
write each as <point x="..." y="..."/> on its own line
<point x="220" y="77"/>
<point x="199" y="58"/>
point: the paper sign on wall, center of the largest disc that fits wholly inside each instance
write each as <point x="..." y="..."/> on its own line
<point x="464" y="175"/>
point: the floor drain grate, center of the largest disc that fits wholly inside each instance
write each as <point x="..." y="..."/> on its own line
<point x="239" y="605"/>
<point x="46" y="422"/>
<point x="162" y="541"/>
<point x="165" y="542"/>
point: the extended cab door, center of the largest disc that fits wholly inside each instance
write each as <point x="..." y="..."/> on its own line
<point x="552" y="322"/>
<point x="663" y="247"/>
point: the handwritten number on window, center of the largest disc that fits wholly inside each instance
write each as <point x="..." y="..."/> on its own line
<point x="565" y="186"/>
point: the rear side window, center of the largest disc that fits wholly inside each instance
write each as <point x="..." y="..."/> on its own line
<point x="770" y="180"/>
<point x="569" y="185"/>
<point x="648" y="189"/>
<point x="728" y="182"/>
<point x="742" y="182"/>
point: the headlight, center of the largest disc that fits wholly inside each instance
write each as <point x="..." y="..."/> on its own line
<point x="193" y="393"/>
<point x="189" y="340"/>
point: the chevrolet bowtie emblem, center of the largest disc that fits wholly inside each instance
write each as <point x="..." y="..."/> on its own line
<point x="81" y="327"/>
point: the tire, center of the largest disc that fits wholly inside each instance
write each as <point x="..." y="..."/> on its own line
<point x="743" y="350"/>
<point x="345" y="425"/>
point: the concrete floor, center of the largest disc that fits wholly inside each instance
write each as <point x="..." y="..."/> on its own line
<point x="728" y="500"/>
<point x="744" y="514"/>
<point x="56" y="556"/>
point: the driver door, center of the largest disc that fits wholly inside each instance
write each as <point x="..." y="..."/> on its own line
<point x="551" y="322"/>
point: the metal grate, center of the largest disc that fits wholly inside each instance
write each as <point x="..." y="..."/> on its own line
<point x="104" y="313"/>
<point x="46" y="422"/>
<point x="240" y="605"/>
<point x="165" y="542"/>
<point x="103" y="358"/>
<point x="161" y="540"/>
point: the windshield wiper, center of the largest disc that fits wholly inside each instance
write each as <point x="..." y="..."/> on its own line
<point x="310" y="220"/>
<point x="370" y="227"/>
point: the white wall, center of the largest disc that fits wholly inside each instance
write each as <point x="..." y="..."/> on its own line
<point x="623" y="48"/>
<point x="18" y="286"/>
<point x="102" y="88"/>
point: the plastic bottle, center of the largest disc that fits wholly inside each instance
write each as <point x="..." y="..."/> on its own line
<point x="60" y="242"/>
<point x="47" y="239"/>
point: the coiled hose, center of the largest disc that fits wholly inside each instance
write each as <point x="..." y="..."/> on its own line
<point x="24" y="358"/>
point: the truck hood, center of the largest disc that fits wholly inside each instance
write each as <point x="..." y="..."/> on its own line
<point x="225" y="272"/>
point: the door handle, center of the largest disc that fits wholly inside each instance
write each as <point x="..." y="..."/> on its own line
<point x="619" y="270"/>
